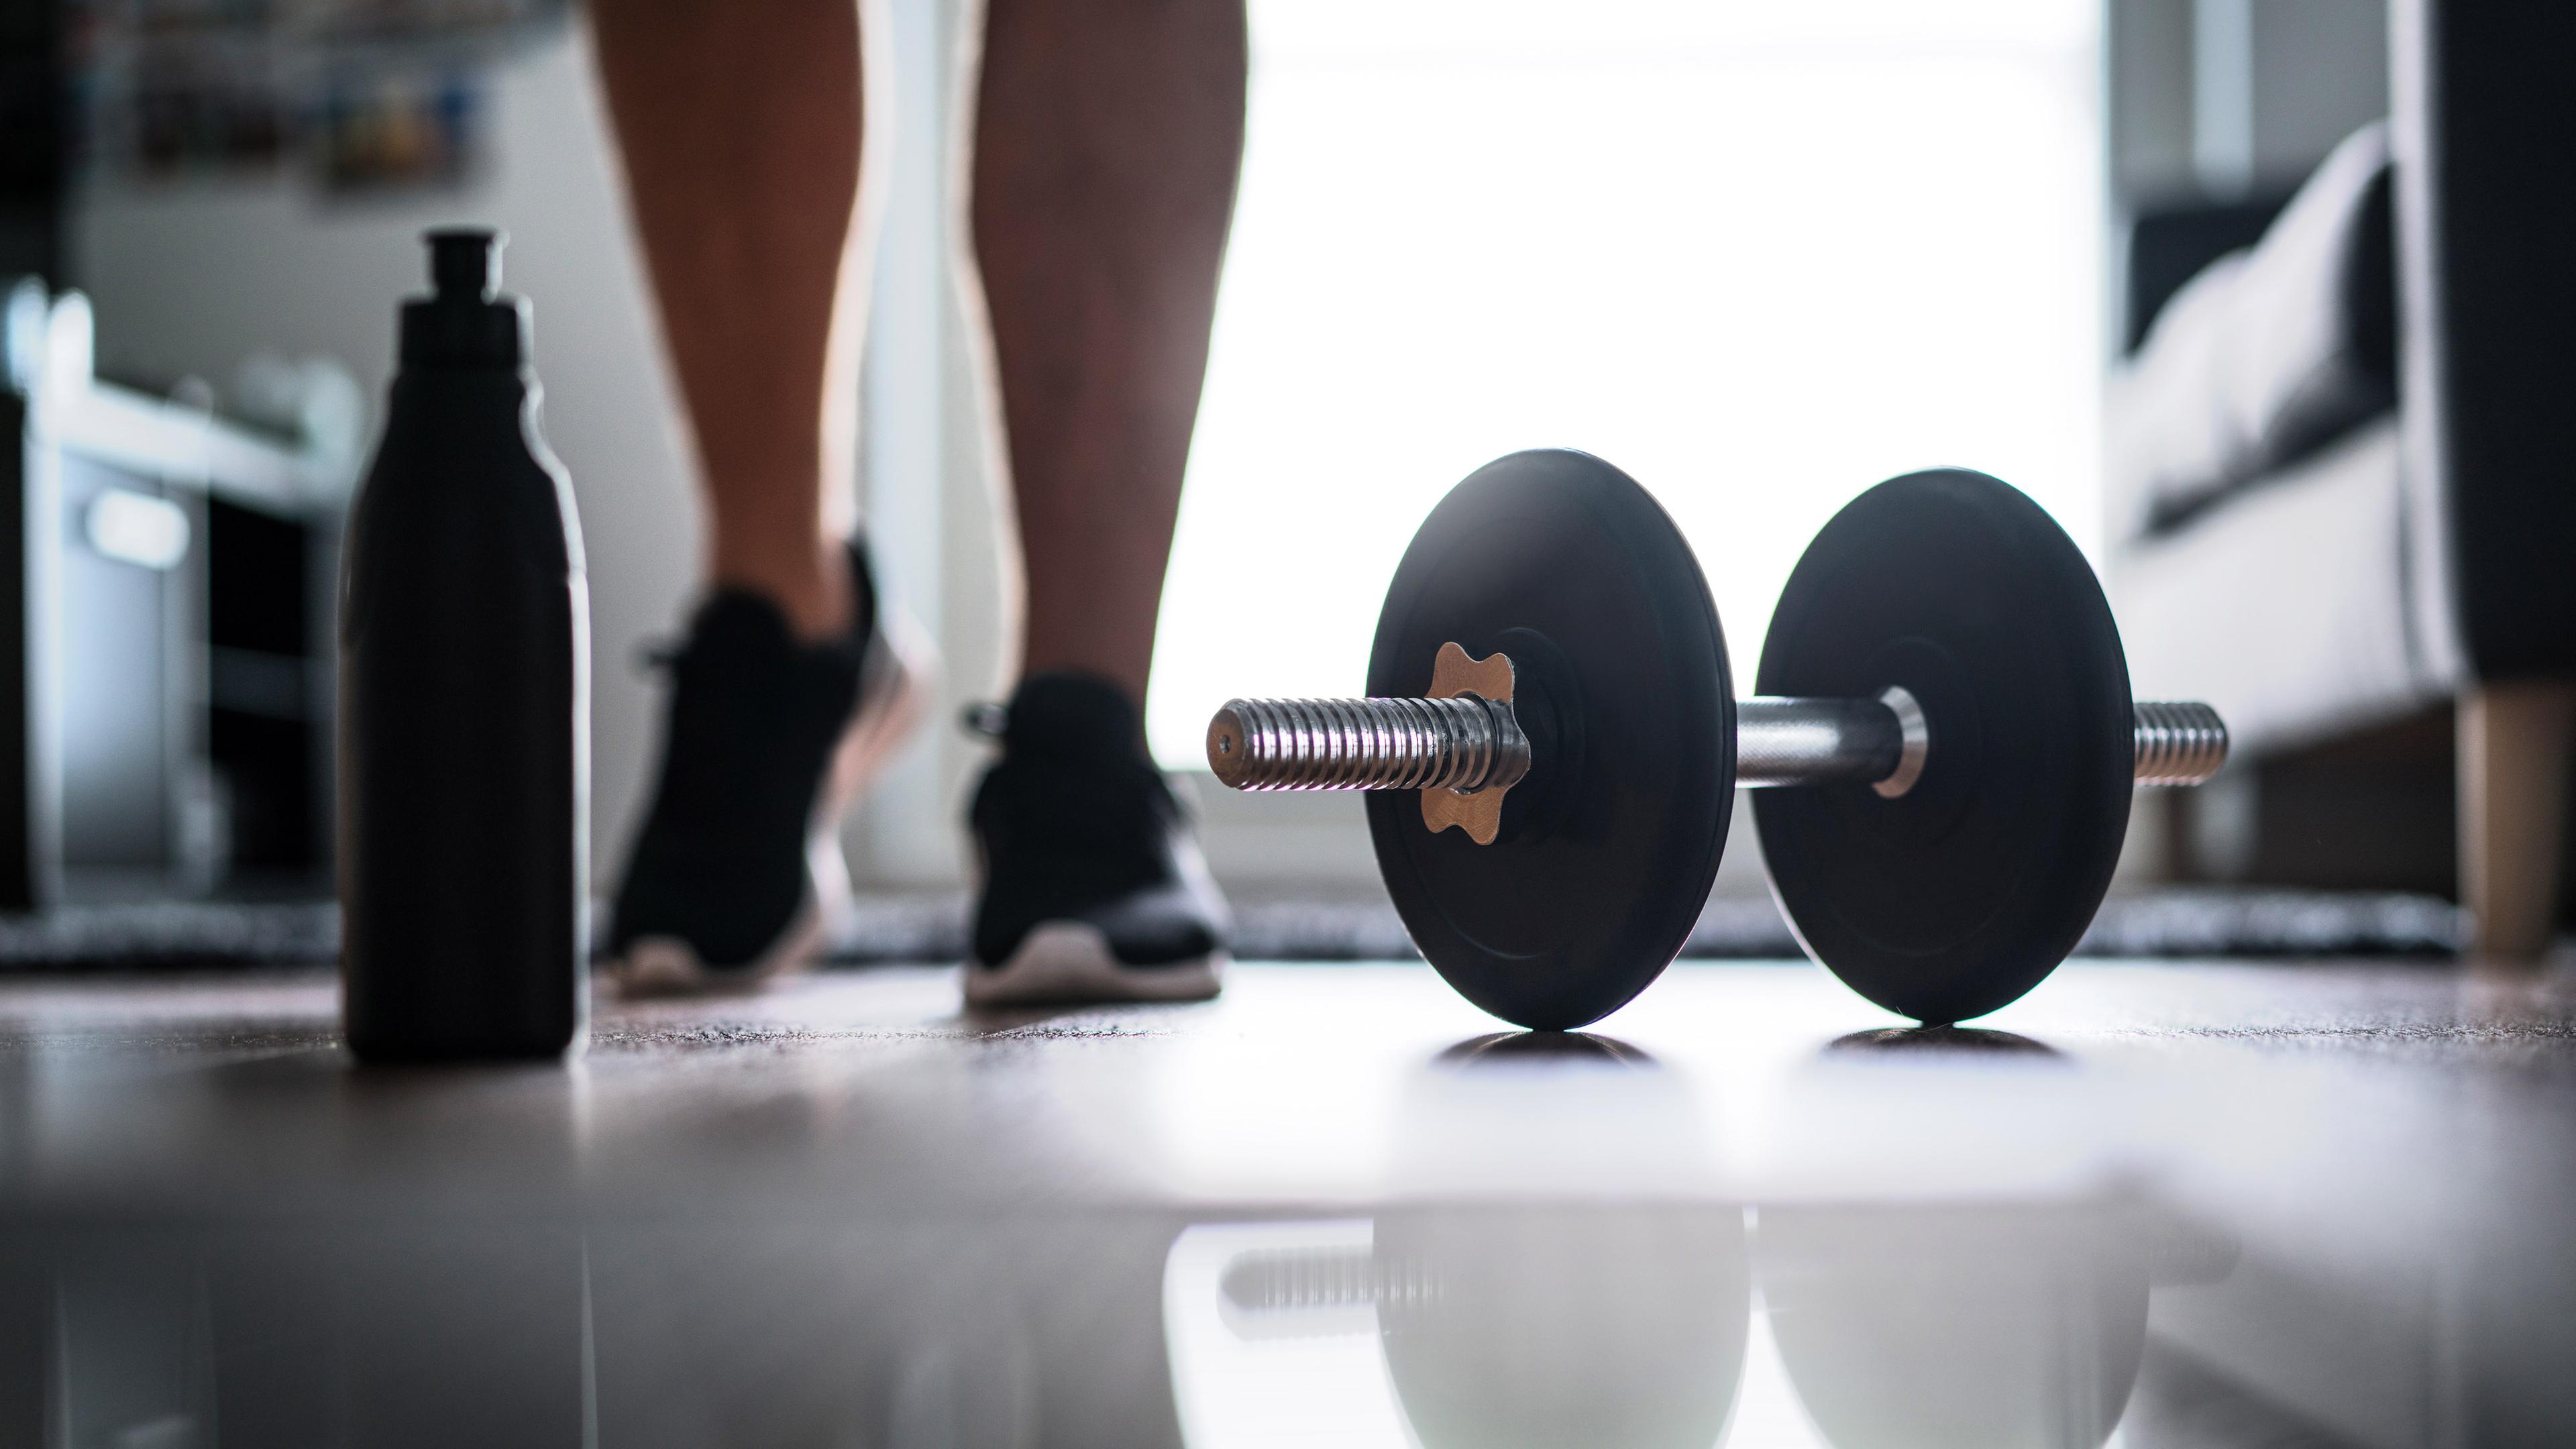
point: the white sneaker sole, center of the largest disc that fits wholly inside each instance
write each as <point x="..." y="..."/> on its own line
<point x="665" y="966"/>
<point x="1069" y="963"/>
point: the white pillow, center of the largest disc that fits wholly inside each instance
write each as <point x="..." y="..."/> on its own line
<point x="2268" y="355"/>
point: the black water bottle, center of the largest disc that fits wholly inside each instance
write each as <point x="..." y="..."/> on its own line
<point x="464" y="698"/>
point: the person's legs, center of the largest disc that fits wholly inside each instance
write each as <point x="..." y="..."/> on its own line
<point x="1108" y="134"/>
<point x="740" y="128"/>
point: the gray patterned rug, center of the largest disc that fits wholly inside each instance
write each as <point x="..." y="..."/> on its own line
<point x="2179" y="922"/>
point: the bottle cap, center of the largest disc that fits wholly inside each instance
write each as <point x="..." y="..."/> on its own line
<point x="465" y="321"/>
<point x="464" y="263"/>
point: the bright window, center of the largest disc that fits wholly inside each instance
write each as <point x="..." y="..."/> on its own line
<point x="1761" y="256"/>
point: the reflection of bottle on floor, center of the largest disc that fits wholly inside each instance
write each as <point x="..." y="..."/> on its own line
<point x="465" y="688"/>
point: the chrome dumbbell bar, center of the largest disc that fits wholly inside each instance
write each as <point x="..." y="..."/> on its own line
<point x="1468" y="744"/>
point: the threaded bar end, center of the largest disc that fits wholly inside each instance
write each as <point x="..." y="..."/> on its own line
<point x="1287" y="1280"/>
<point x="1462" y="744"/>
<point x="2178" y="743"/>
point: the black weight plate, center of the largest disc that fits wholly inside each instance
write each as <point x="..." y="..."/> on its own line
<point x="1608" y="849"/>
<point x="1955" y="898"/>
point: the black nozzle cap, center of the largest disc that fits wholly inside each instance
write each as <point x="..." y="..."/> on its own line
<point x="465" y="263"/>
<point x="464" y="322"/>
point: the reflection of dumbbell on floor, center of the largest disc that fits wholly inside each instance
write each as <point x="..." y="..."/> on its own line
<point x="1942" y="676"/>
<point x="1914" y="1323"/>
<point x="1528" y="1324"/>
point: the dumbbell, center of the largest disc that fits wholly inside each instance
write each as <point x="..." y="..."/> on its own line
<point x="1942" y="738"/>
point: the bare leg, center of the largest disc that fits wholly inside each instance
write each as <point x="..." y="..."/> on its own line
<point x="1108" y="135"/>
<point x="740" y="128"/>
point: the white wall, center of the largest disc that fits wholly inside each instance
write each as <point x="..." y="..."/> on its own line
<point x="191" y="277"/>
<point x="934" y="523"/>
<point x="2216" y="95"/>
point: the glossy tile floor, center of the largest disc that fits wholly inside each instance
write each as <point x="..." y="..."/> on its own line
<point x="2150" y="1205"/>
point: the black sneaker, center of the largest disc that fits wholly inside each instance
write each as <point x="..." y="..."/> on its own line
<point x="738" y="871"/>
<point x="1093" y="885"/>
